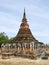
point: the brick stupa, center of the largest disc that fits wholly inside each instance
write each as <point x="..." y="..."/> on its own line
<point x="24" y="34"/>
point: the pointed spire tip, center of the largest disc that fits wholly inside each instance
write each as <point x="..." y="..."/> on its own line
<point x="24" y="15"/>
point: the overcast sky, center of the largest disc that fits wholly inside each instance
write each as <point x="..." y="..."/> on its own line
<point x="37" y="14"/>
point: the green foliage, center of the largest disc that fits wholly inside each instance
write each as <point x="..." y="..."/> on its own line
<point x="11" y="39"/>
<point x="3" y="38"/>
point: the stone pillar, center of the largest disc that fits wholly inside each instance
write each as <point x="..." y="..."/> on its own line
<point x="23" y="48"/>
<point x="18" y="48"/>
<point x="25" y="45"/>
<point x="33" y="45"/>
<point x="30" y="46"/>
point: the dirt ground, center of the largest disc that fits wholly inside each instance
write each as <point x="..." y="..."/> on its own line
<point x="23" y="61"/>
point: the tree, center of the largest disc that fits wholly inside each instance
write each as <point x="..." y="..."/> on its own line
<point x="3" y="38"/>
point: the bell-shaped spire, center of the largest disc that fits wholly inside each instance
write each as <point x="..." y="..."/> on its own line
<point x="24" y="15"/>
